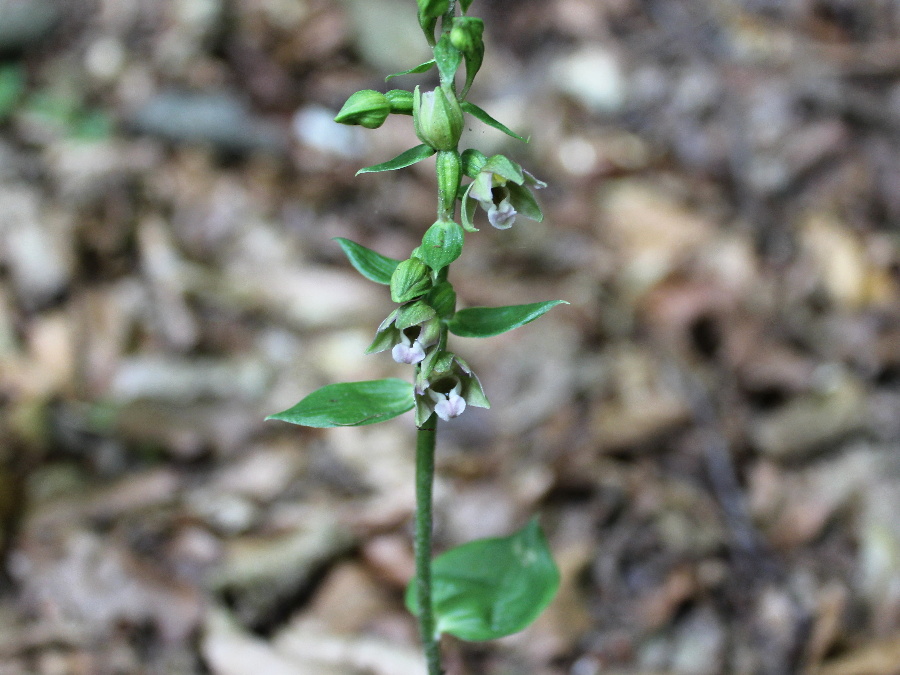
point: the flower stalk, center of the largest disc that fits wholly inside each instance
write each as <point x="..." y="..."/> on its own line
<point x="425" y="446"/>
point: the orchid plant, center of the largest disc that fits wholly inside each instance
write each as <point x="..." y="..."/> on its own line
<point x="487" y="588"/>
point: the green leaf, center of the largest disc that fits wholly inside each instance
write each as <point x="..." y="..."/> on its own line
<point x="490" y="588"/>
<point x="421" y="68"/>
<point x="351" y="404"/>
<point x="464" y="5"/>
<point x="482" y="322"/>
<point x="401" y="161"/>
<point x="482" y="116"/>
<point x="442" y="244"/>
<point x="373" y="266"/>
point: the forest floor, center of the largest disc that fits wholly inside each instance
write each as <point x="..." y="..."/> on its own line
<point x="710" y="430"/>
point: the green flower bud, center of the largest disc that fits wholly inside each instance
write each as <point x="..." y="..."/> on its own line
<point x="411" y="279"/>
<point x="401" y="101"/>
<point x="442" y="244"/>
<point x="438" y="119"/>
<point x="367" y="108"/>
<point x="466" y="35"/>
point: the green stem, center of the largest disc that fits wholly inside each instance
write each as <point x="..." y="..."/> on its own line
<point x="425" y="444"/>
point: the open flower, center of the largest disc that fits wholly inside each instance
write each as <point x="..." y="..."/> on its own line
<point x="408" y="331"/>
<point x="503" y="190"/>
<point x="445" y="386"/>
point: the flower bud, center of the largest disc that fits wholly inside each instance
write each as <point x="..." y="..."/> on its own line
<point x="401" y="101"/>
<point x="442" y="244"/>
<point x="466" y="35"/>
<point x="411" y="279"/>
<point x="367" y="108"/>
<point x="438" y="119"/>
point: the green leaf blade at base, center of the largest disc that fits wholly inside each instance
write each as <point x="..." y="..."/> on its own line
<point x="351" y="404"/>
<point x="372" y="265"/>
<point x="484" y="118"/>
<point x="489" y="588"/>
<point x="401" y="161"/>
<point x="480" y="322"/>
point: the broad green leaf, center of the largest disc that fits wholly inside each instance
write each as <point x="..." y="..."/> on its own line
<point x="401" y="161"/>
<point x="421" y="68"/>
<point x="490" y="588"/>
<point x="483" y="322"/>
<point x="351" y="404"/>
<point x="482" y="116"/>
<point x="373" y="266"/>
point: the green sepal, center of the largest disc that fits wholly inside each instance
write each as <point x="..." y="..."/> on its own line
<point x="401" y="161"/>
<point x="351" y="404"/>
<point x="442" y="244"/>
<point x="524" y="202"/>
<point x="472" y="162"/>
<point x="481" y="322"/>
<point x="505" y="168"/>
<point x="448" y="59"/>
<point x="421" y="68"/>
<point x="413" y="314"/>
<point x="411" y="279"/>
<point x="483" y="117"/>
<point x="489" y="588"/>
<point x="468" y="210"/>
<point x="372" y="265"/>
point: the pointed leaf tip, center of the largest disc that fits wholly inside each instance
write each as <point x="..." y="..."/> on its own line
<point x="371" y="264"/>
<point x="401" y="161"/>
<point x="482" y="322"/>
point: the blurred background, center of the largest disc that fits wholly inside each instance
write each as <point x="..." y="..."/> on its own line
<point x="710" y="430"/>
